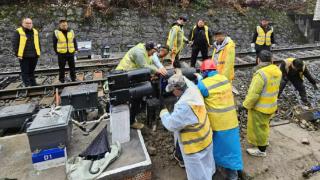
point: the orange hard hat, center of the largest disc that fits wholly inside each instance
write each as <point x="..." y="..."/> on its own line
<point x="208" y="64"/>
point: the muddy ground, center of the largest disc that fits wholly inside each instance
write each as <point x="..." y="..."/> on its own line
<point x="287" y="157"/>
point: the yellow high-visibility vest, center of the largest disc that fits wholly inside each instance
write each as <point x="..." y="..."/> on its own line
<point x="206" y="29"/>
<point x="197" y="137"/>
<point x="64" y="44"/>
<point x="176" y="44"/>
<point x="23" y="41"/>
<point x="220" y="103"/>
<point x="226" y="56"/>
<point x="264" y="38"/>
<point x="289" y="61"/>
<point x="128" y="62"/>
<point x="271" y="75"/>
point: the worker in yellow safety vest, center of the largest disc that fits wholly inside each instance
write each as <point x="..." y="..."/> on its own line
<point x="141" y="56"/>
<point x="224" y="54"/>
<point x="176" y="40"/>
<point x="200" y="38"/>
<point x="191" y="127"/>
<point x="65" y="46"/>
<point x="26" y="46"/>
<point x="294" y="70"/>
<point x="263" y="37"/>
<point x="217" y="92"/>
<point x="261" y="103"/>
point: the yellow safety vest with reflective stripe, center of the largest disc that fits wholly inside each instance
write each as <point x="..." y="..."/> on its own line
<point x="64" y="44"/>
<point x="176" y="44"/>
<point x="289" y="61"/>
<point x="263" y="38"/>
<point x="197" y="137"/>
<point x="128" y="62"/>
<point x="271" y="75"/>
<point x="227" y="54"/>
<point x="206" y="30"/>
<point x="23" y="41"/>
<point x="220" y="103"/>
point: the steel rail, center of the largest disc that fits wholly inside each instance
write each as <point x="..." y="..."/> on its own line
<point x="109" y="63"/>
<point x="298" y="47"/>
<point x="41" y="90"/>
<point x="44" y="89"/>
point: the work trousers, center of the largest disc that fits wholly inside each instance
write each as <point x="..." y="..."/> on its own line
<point x="177" y="152"/>
<point x="28" y="65"/>
<point x="62" y="60"/>
<point x="195" y="52"/>
<point x="176" y="63"/>
<point x="298" y="85"/>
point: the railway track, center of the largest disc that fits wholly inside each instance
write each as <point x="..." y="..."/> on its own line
<point x="96" y="64"/>
<point x="11" y="86"/>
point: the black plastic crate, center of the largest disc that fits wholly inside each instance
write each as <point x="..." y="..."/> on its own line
<point x="15" y="116"/>
<point x="81" y="97"/>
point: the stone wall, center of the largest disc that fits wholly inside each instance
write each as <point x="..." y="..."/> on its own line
<point x="126" y="26"/>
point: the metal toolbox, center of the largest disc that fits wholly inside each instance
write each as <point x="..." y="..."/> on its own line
<point x="80" y="97"/>
<point x="84" y="49"/>
<point x="50" y="129"/>
<point x="15" y="116"/>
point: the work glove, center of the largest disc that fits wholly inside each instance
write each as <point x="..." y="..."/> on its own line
<point x="315" y="87"/>
<point x="253" y="47"/>
<point x="163" y="111"/>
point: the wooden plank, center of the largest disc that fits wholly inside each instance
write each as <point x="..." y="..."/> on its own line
<point x="56" y="80"/>
<point x="21" y="101"/>
<point x="14" y="85"/>
<point x="41" y="80"/>
<point x="316" y="51"/>
<point x="292" y="55"/>
<point x="312" y="52"/>
<point x="277" y="57"/>
<point x="241" y="61"/>
<point x="251" y="59"/>
<point x="46" y="101"/>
